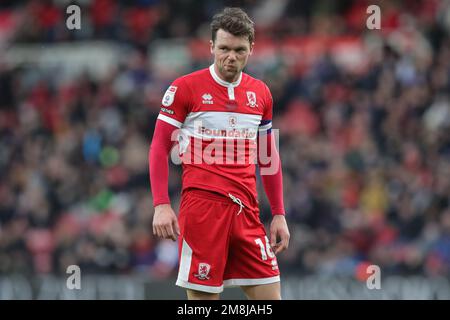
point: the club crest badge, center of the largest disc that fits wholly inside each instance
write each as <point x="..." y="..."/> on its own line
<point x="203" y="271"/>
<point x="251" y="97"/>
<point x="232" y="121"/>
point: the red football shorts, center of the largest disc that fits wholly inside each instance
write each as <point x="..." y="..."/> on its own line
<point x="222" y="244"/>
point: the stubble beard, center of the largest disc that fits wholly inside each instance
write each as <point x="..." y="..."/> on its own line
<point x="230" y="75"/>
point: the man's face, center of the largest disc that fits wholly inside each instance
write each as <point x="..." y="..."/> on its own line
<point x="230" y="54"/>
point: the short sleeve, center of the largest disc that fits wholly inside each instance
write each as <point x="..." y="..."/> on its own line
<point x="176" y="103"/>
<point x="266" y="121"/>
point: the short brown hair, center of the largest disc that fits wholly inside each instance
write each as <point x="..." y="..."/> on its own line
<point x="234" y="21"/>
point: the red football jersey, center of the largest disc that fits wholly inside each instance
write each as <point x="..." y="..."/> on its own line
<point x="219" y="124"/>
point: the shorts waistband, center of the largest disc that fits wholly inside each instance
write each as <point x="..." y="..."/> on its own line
<point x="209" y="195"/>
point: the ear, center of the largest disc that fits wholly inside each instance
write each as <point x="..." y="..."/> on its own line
<point x="211" y="48"/>
<point x="251" y="48"/>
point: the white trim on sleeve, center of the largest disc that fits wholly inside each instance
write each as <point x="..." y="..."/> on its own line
<point x="169" y="120"/>
<point x="265" y="127"/>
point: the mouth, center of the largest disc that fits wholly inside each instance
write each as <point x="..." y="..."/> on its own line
<point x="230" y="67"/>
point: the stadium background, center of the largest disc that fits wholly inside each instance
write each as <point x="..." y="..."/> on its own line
<point x="364" y="119"/>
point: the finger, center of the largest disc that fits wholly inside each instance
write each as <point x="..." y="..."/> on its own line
<point x="160" y="232"/>
<point x="277" y="248"/>
<point x="176" y="227"/>
<point x="273" y="238"/>
<point x="286" y="239"/>
<point x="284" y="243"/>
<point x="163" y="232"/>
<point x="156" y="231"/>
<point x="169" y="231"/>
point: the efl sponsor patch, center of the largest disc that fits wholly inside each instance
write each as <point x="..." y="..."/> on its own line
<point x="169" y="96"/>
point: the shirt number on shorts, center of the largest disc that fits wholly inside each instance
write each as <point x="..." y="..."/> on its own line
<point x="266" y="250"/>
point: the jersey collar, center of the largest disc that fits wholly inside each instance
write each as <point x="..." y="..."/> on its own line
<point x="223" y="82"/>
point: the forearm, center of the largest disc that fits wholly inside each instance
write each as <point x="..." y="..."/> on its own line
<point x="158" y="162"/>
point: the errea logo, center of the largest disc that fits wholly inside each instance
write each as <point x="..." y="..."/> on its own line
<point x="207" y="99"/>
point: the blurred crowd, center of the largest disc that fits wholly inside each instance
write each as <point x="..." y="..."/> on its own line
<point x="365" y="142"/>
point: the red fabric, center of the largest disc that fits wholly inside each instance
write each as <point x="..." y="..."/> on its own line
<point x="272" y="183"/>
<point x="224" y="243"/>
<point x="159" y="168"/>
<point x="158" y="162"/>
<point x="197" y="97"/>
<point x="202" y="105"/>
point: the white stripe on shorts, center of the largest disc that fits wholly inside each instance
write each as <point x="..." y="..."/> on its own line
<point x="250" y="282"/>
<point x="185" y="263"/>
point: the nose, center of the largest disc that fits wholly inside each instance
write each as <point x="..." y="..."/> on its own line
<point x="232" y="56"/>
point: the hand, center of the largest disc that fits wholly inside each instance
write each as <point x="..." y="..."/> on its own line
<point x="279" y="227"/>
<point x="165" y="222"/>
